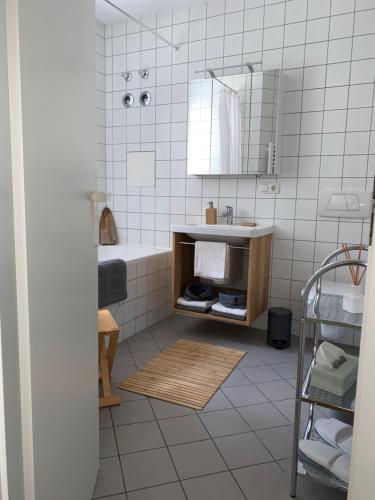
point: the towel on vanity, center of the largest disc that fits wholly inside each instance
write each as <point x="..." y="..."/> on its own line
<point x="212" y="261"/>
<point x="229" y="311"/>
<point x="195" y="305"/>
<point x="112" y="282"/>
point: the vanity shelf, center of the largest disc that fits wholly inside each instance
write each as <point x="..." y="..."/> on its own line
<point x="313" y="395"/>
<point x="258" y="251"/>
<point x="214" y="317"/>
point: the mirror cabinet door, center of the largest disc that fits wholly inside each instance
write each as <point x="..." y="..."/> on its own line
<point x="232" y="121"/>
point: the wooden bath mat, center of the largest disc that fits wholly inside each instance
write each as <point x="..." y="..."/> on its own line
<point x="187" y="373"/>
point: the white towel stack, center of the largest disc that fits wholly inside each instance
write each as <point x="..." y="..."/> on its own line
<point x="199" y="304"/>
<point x="333" y="453"/>
<point x="331" y="459"/>
<point x="336" y="433"/>
<point x="212" y="261"/>
<point x="219" y="308"/>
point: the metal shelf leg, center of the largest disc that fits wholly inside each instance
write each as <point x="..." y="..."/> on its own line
<point x="297" y="414"/>
<point x="297" y="417"/>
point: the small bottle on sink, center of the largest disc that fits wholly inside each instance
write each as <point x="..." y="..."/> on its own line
<point x="211" y="214"/>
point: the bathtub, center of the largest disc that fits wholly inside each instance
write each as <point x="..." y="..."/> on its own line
<point x="149" y="277"/>
<point x="129" y="252"/>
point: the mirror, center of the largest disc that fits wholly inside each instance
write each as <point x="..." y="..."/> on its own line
<point x="234" y="125"/>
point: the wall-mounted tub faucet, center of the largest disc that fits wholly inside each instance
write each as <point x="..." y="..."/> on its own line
<point x="229" y="215"/>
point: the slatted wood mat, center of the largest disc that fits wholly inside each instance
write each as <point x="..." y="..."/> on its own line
<point x="187" y="373"/>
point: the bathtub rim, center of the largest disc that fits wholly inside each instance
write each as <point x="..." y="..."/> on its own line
<point x="156" y="252"/>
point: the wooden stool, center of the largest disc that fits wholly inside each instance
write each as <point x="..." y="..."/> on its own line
<point x="107" y="327"/>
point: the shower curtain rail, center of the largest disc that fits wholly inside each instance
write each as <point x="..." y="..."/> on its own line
<point x="214" y="77"/>
<point x="249" y="66"/>
<point x="144" y="26"/>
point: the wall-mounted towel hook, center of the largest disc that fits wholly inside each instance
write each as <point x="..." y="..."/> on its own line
<point x="97" y="197"/>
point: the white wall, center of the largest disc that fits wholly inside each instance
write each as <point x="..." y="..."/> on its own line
<point x="10" y="430"/>
<point x="53" y="154"/>
<point x="327" y="51"/>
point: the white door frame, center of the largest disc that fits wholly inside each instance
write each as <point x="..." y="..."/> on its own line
<point x="3" y="453"/>
<point x="361" y="486"/>
<point x="11" y="465"/>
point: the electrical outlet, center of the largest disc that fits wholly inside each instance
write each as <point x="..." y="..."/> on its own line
<point x="269" y="188"/>
<point x="274" y="188"/>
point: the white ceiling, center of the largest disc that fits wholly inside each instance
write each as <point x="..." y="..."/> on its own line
<point x="137" y="8"/>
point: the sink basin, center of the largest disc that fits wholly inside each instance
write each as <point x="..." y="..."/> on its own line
<point x="234" y="235"/>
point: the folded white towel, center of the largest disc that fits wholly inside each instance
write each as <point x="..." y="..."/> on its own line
<point x="335" y="433"/>
<point x="203" y="304"/>
<point x="329" y="355"/>
<point x="212" y="260"/>
<point x="241" y="313"/>
<point x="334" y="461"/>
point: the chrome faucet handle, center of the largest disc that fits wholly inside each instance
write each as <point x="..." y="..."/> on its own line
<point x="229" y="214"/>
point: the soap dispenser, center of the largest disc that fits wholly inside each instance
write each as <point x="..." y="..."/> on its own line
<point x="211" y="213"/>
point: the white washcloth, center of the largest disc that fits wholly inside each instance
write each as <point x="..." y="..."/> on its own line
<point x="329" y="355"/>
<point x="335" y="433"/>
<point x="203" y="304"/>
<point x="334" y="461"/>
<point x="241" y="313"/>
<point x="212" y="260"/>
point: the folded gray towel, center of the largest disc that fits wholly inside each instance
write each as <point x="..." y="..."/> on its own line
<point x="195" y="309"/>
<point x="112" y="282"/>
<point x="230" y="316"/>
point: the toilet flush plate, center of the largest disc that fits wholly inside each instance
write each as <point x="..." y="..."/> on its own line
<point x="345" y="203"/>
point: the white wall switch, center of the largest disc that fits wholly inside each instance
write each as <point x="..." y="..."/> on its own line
<point x="263" y="188"/>
<point x="348" y="203"/>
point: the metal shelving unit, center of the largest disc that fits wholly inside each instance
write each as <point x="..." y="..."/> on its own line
<point x="323" y="309"/>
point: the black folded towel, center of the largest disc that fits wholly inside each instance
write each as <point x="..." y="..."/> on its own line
<point x="112" y="282"/>
<point x="198" y="291"/>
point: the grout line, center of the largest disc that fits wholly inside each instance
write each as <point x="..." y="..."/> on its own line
<point x="222" y="457"/>
<point x="118" y="452"/>
<point x="168" y="451"/>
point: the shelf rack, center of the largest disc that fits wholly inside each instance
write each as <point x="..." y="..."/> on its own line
<point x="323" y="309"/>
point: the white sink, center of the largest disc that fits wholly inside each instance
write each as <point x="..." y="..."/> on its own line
<point x="234" y="235"/>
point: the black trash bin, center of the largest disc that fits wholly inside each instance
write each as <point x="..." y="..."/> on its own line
<point x="279" y="327"/>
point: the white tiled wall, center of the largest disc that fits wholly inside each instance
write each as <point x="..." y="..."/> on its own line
<point x="149" y="294"/>
<point x="326" y="48"/>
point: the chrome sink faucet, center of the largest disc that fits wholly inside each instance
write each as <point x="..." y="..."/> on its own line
<point x="229" y="215"/>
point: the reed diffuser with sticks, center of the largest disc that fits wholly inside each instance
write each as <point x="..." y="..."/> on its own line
<point x="353" y="301"/>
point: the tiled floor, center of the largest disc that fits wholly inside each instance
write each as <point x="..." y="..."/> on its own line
<point x="238" y="447"/>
